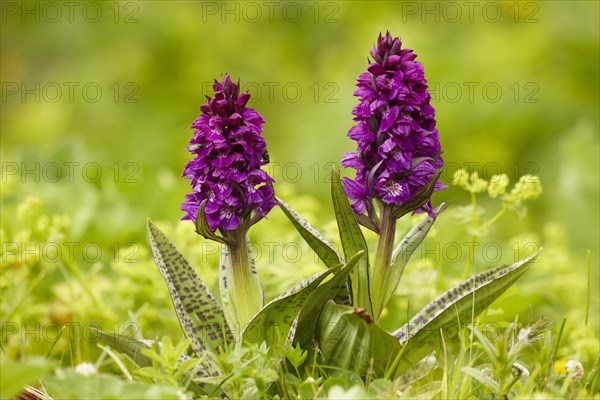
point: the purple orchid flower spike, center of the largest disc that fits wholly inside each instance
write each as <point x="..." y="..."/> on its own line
<point x="226" y="171"/>
<point x="398" y="148"/>
<point x="230" y="192"/>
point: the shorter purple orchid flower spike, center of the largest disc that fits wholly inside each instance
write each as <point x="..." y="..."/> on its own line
<point x="226" y="172"/>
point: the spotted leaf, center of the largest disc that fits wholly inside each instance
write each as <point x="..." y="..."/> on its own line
<point x="313" y="238"/>
<point x="456" y="306"/>
<point x="200" y="316"/>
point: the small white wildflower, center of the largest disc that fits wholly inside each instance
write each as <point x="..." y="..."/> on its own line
<point x="520" y="371"/>
<point x="338" y="392"/>
<point x="86" y="369"/>
<point x="574" y="369"/>
<point x="181" y="395"/>
<point x="525" y="335"/>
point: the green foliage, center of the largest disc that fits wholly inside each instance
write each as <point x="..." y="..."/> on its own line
<point x="350" y="341"/>
<point x="201" y="317"/>
<point x="353" y="242"/>
<point x="132" y="348"/>
<point x="69" y="384"/>
<point x="273" y="323"/>
<point x="15" y="375"/>
<point x="47" y="304"/>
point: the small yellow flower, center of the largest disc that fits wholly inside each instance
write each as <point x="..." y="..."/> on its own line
<point x="497" y="186"/>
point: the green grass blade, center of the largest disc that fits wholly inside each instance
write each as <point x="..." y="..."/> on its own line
<point x="461" y="302"/>
<point x="200" y="316"/>
<point x="353" y="242"/>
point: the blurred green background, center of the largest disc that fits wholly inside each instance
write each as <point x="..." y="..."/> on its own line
<point x="113" y="87"/>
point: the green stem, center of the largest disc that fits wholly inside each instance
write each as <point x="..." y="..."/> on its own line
<point x="589" y="287"/>
<point x="381" y="269"/>
<point x="493" y="220"/>
<point x="469" y="262"/>
<point x="245" y="289"/>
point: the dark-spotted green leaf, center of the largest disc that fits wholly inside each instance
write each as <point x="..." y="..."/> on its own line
<point x="313" y="238"/>
<point x="309" y="314"/>
<point x="404" y="250"/>
<point x="456" y="306"/>
<point x="274" y="322"/>
<point x="353" y="242"/>
<point x="200" y="316"/>
<point x="350" y="340"/>
<point x="128" y="346"/>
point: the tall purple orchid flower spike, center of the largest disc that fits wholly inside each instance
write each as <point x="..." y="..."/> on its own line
<point x="230" y="192"/>
<point x="398" y="157"/>
<point x="399" y="151"/>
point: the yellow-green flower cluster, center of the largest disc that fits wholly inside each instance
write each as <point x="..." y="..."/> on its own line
<point x="529" y="187"/>
<point x="470" y="182"/>
<point x="498" y="185"/>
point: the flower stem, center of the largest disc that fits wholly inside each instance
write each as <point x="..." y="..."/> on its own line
<point x="380" y="283"/>
<point x="474" y="228"/>
<point x="243" y="288"/>
<point x="494" y="219"/>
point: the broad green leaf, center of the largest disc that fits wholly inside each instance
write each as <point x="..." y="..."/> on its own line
<point x="405" y="249"/>
<point x="456" y="306"/>
<point x="130" y="347"/>
<point x="353" y="242"/>
<point x="16" y="375"/>
<point x="199" y="314"/>
<point x="240" y="289"/>
<point x="315" y="240"/>
<point x="275" y="321"/>
<point x="309" y="314"/>
<point x="350" y="340"/>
